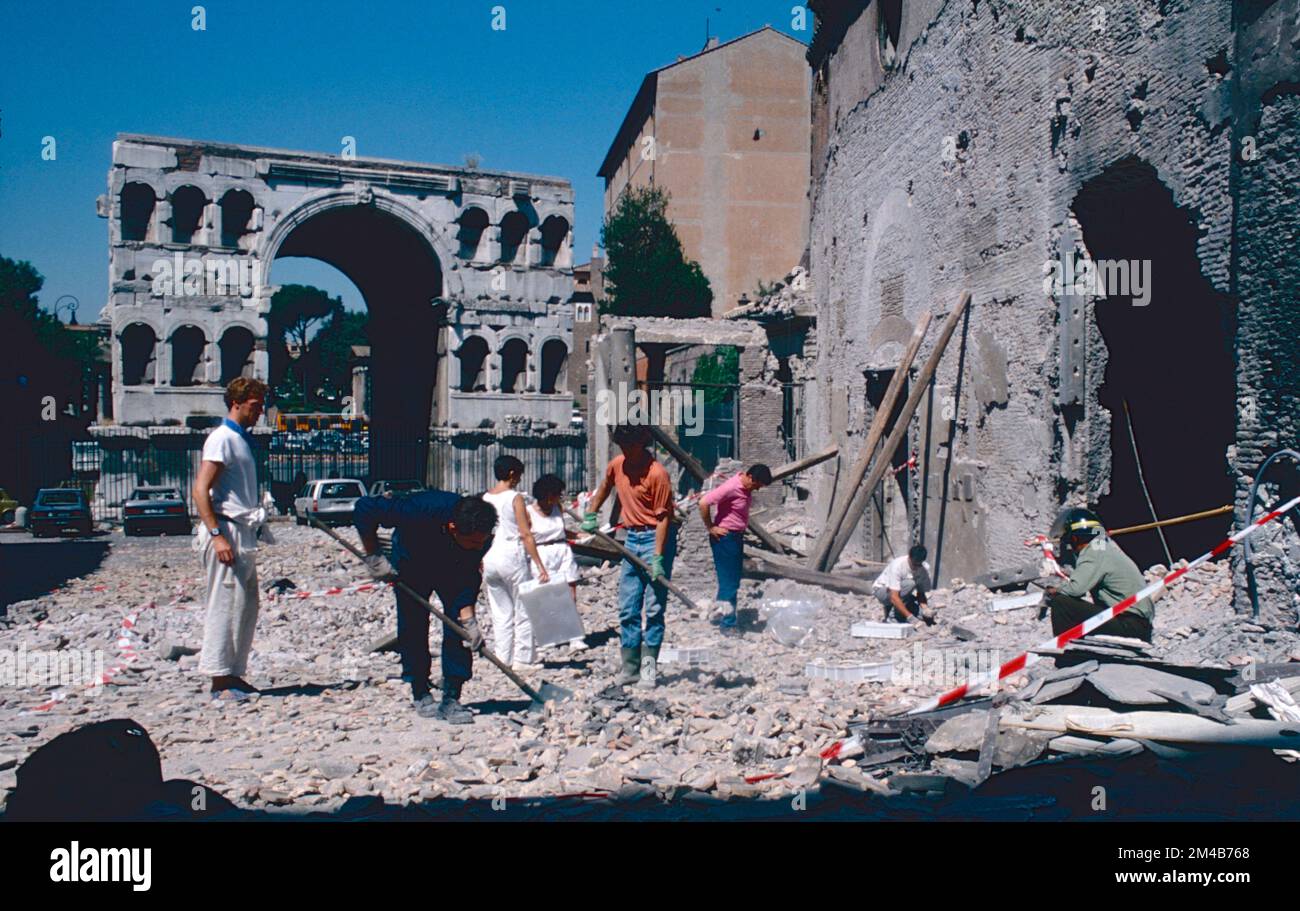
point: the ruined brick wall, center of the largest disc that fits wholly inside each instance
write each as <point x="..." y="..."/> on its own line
<point x="956" y="169"/>
<point x="1267" y="136"/>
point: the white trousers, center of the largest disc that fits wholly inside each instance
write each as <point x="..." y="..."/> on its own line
<point x="503" y="571"/>
<point x="232" y="601"/>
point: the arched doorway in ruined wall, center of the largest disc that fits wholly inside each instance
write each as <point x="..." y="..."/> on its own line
<point x="1169" y="363"/>
<point x="389" y="253"/>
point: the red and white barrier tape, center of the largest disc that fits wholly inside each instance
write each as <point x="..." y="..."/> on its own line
<point x="1027" y="658"/>
<point x="127" y="655"/>
<point x="1049" y="554"/>
<point x="336" y="590"/>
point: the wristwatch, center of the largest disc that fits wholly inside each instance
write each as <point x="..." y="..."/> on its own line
<point x="215" y="531"/>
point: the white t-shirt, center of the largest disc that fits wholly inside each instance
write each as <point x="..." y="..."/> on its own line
<point x="235" y="491"/>
<point x="898" y="576"/>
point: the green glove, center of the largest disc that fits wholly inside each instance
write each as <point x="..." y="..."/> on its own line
<point x="657" y="568"/>
<point x="590" y="522"/>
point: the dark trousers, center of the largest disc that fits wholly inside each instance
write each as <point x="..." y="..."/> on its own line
<point x="413" y="643"/>
<point x="1068" y="612"/>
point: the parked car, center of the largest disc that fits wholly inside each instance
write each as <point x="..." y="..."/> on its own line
<point x="395" y="488"/>
<point x="329" y="500"/>
<point x="8" y="506"/>
<point x="158" y="509"/>
<point x="59" y="509"/>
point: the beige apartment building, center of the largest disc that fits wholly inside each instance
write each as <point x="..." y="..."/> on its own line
<point x="726" y="132"/>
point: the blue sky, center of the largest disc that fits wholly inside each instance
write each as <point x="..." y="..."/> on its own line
<point x="427" y="81"/>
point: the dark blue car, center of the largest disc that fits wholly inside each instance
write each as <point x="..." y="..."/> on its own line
<point x="59" y="509"/>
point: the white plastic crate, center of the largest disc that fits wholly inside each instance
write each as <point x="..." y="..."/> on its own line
<point x="688" y="656"/>
<point x="850" y="671"/>
<point x="869" y="630"/>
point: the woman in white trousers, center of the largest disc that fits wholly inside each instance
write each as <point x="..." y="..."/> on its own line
<point x="547" y="520"/>
<point x="505" y="566"/>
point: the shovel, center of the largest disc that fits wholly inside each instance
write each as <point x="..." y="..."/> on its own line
<point x="638" y="563"/>
<point x="548" y="692"/>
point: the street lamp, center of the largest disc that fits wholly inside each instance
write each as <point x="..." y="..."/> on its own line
<point x="71" y="306"/>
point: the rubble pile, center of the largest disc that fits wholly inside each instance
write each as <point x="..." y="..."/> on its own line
<point x="736" y="715"/>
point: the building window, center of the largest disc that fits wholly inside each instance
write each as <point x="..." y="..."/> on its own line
<point x="137" y="211"/>
<point x="187" y="213"/>
<point x="236" y="213"/>
<point x="582" y="313"/>
<point x="514" y="365"/>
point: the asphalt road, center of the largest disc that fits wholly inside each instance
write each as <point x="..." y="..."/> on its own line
<point x="30" y="567"/>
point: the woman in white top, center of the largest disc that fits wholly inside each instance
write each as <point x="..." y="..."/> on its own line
<point x="547" y="520"/>
<point x="505" y="566"/>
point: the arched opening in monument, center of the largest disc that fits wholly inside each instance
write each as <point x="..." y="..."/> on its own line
<point x="514" y="228"/>
<point x="236" y="353"/>
<point x="399" y="277"/>
<point x="139" y="346"/>
<point x="514" y="365"/>
<point x="236" y="213"/>
<point x="472" y="355"/>
<point x="554" y="230"/>
<point x="187" y="213"/>
<point x="1169" y="373"/>
<point x="555" y="358"/>
<point x="187" y="346"/>
<point x="473" y="222"/>
<point x="137" y="205"/>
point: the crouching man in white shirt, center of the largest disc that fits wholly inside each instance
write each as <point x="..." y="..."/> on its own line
<point x="901" y="588"/>
<point x="230" y="514"/>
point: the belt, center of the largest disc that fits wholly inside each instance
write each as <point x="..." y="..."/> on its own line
<point x="640" y="527"/>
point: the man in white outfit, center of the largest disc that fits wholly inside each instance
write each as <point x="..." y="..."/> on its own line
<point x="230" y="514"/>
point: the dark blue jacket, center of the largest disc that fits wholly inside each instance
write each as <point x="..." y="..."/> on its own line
<point x="424" y="553"/>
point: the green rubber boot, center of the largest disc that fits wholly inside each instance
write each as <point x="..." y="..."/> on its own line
<point x="631" y="667"/>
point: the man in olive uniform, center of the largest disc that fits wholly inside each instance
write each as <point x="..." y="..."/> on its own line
<point x="1102" y="570"/>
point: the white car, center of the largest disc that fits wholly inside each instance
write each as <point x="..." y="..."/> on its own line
<point x="329" y="500"/>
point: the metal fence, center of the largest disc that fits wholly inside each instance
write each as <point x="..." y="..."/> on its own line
<point x="113" y="461"/>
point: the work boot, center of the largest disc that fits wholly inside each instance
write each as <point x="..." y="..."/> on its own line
<point x="631" y="667"/>
<point x="425" y="706"/>
<point x="450" y="710"/>
<point x="649" y="667"/>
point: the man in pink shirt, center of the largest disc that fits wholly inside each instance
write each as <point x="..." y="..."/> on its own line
<point x="727" y="530"/>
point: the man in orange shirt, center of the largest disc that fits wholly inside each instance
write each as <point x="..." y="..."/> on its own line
<point x="645" y="496"/>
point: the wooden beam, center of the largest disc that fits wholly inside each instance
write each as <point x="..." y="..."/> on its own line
<point x="792" y="468"/>
<point x="764" y="567"/>
<point x="637" y="562"/>
<point x="821" y="555"/>
<point x="689" y="462"/>
<point x="862" y="495"/>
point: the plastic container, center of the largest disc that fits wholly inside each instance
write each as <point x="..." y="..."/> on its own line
<point x="791" y="622"/>
<point x="870" y="630"/>
<point x="551" y="611"/>
<point x="687" y="656"/>
<point x="850" y="671"/>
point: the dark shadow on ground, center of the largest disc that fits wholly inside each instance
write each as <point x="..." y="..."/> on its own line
<point x="29" y="569"/>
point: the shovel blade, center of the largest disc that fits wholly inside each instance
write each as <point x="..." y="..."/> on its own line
<point x="550" y="692"/>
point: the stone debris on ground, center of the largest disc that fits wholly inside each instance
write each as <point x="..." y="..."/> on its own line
<point x="738" y="719"/>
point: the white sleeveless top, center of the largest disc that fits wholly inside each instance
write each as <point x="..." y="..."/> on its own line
<point x="547" y="529"/>
<point x="507" y="531"/>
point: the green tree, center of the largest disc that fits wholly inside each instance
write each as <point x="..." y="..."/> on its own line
<point x="297" y="313"/>
<point x="646" y="272"/>
<point x="333" y="350"/>
<point x="721" y="368"/>
<point x="19" y="285"/>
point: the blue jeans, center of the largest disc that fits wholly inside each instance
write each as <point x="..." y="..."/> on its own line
<point x="728" y="555"/>
<point x="632" y="585"/>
